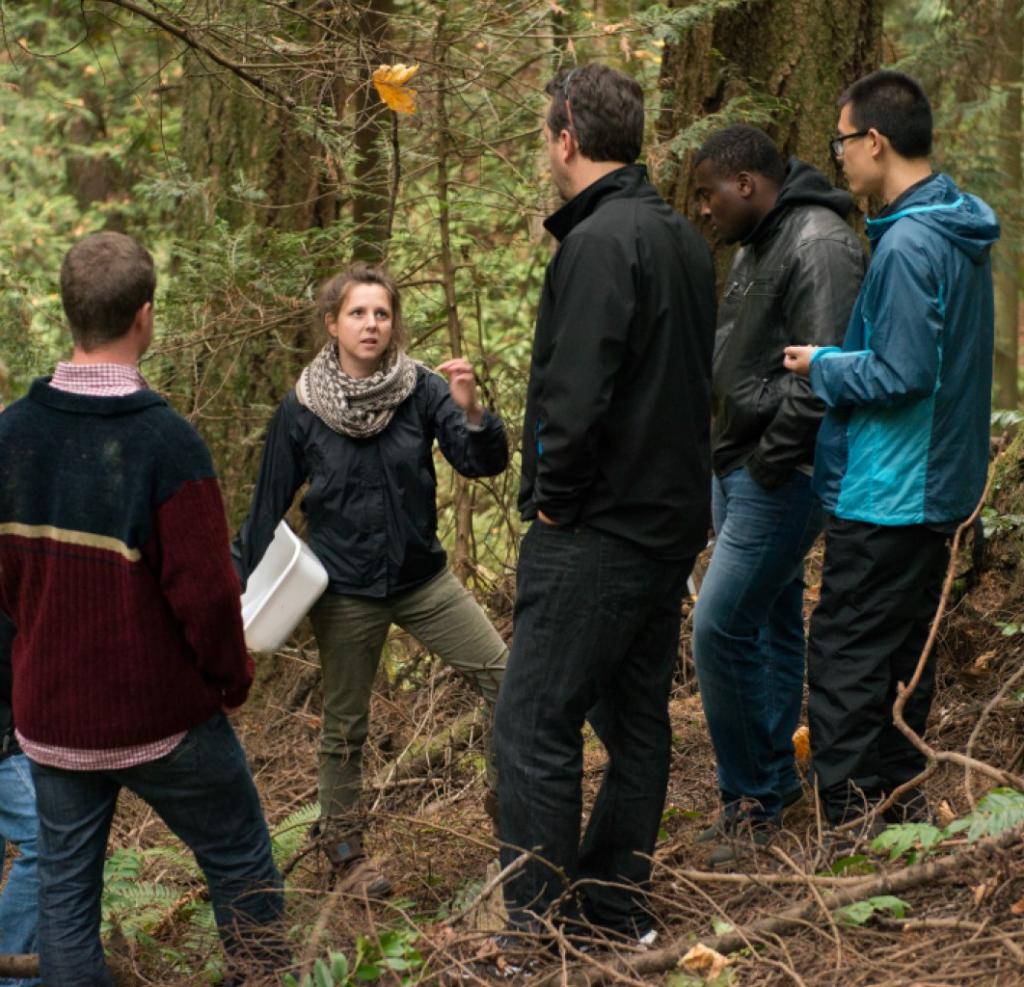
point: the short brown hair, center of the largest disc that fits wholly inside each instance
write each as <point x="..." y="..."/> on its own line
<point x="602" y="108"/>
<point x="334" y="291"/>
<point x="104" y="281"/>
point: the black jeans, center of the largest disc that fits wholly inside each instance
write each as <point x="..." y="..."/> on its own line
<point x="595" y="637"/>
<point x="879" y="590"/>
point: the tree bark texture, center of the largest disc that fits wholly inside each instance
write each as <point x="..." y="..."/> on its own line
<point x="795" y="56"/>
<point x="1008" y="268"/>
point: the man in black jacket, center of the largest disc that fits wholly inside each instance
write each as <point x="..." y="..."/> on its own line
<point x="616" y="481"/>
<point x="18" y="825"/>
<point x="795" y="277"/>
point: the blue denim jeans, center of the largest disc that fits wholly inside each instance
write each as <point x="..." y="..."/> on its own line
<point x="204" y="792"/>
<point x="748" y="636"/>
<point x="595" y="636"/>
<point x="19" y="901"/>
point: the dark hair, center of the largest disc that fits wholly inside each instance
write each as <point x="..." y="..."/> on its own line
<point x="895" y="105"/>
<point x="602" y="108"/>
<point x="104" y="281"/>
<point x="334" y="291"/>
<point x="742" y="148"/>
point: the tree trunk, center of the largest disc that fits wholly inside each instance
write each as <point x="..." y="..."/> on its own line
<point x="370" y="205"/>
<point x="780" y="64"/>
<point x="1008" y="253"/>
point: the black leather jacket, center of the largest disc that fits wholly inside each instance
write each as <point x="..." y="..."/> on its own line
<point x="793" y="281"/>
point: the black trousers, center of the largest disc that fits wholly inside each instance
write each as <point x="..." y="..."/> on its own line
<point x="879" y="589"/>
<point x="595" y="638"/>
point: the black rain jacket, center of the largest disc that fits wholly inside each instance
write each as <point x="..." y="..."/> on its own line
<point x="617" y="409"/>
<point x="371" y="505"/>
<point x="793" y="281"/>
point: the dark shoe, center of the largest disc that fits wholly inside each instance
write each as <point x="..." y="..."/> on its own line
<point x="721" y="828"/>
<point x="742" y="835"/>
<point x="354" y="871"/>
<point x="910" y="807"/>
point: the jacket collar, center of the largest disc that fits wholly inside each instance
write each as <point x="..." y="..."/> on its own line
<point x="628" y="179"/>
<point x="42" y="393"/>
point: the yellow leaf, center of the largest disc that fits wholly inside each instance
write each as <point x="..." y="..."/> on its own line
<point x="390" y="83"/>
<point x="802" y="744"/>
<point x="705" y="961"/>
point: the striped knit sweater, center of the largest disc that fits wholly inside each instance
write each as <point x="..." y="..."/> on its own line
<point x="114" y="567"/>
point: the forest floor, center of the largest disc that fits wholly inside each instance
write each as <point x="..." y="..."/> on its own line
<point x="963" y="922"/>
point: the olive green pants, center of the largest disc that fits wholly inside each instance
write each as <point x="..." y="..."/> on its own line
<point x="350" y="633"/>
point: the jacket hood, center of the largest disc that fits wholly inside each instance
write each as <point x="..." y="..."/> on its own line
<point x="628" y="180"/>
<point x="804" y="185"/>
<point x="963" y="219"/>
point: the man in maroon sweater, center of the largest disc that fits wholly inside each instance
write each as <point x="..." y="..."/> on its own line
<point x="114" y="567"/>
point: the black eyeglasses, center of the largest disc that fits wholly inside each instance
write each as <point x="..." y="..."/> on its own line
<point x="836" y="144"/>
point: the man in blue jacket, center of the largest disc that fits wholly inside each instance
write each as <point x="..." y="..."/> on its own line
<point x="903" y="451"/>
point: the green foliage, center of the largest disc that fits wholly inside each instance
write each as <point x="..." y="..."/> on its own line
<point x="136" y="908"/>
<point x="1004" y="419"/>
<point x="289" y="835"/>
<point x="860" y="912"/>
<point x="856" y="863"/>
<point x="670" y="23"/>
<point x="392" y="956"/>
<point x="999" y="810"/>
<point x="994" y="523"/>
<point x="915" y="839"/>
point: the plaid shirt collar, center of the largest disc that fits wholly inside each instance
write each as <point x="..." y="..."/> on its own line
<point x="102" y="380"/>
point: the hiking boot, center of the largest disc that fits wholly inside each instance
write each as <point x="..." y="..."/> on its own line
<point x="354" y="871"/>
<point x="723" y="828"/>
<point x="910" y="807"/>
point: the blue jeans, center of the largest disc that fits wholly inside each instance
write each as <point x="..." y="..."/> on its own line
<point x="204" y="792"/>
<point x="595" y="637"/>
<point x="748" y="636"/>
<point x="19" y="901"/>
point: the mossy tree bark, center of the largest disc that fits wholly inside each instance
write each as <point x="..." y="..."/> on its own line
<point x="780" y="64"/>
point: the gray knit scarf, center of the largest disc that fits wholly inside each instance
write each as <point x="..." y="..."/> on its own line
<point x="357" y="407"/>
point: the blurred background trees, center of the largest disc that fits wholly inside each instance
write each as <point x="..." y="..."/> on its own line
<point x="247" y="145"/>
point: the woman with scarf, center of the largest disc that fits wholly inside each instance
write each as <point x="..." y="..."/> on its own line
<point x="359" y="426"/>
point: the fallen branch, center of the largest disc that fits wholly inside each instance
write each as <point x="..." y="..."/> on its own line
<point x="667" y="958"/>
<point x="19" y="966"/>
<point x="418" y="758"/>
<point x="928" y="924"/>
<point x="903" y="692"/>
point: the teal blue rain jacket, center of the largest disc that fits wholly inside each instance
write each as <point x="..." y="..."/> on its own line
<point x="905" y="436"/>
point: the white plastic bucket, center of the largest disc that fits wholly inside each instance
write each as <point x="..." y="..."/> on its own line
<point x="280" y="590"/>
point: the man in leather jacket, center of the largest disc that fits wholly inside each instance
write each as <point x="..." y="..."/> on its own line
<point x="794" y="277"/>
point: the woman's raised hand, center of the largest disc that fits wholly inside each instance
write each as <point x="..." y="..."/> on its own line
<point x="462" y="382"/>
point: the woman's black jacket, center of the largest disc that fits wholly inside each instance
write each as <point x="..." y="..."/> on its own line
<point x="371" y="503"/>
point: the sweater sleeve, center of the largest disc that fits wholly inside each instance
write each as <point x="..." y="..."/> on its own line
<point x="903" y="312"/>
<point x="474" y="452"/>
<point x="282" y="472"/>
<point x="593" y="305"/>
<point x="200" y="585"/>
